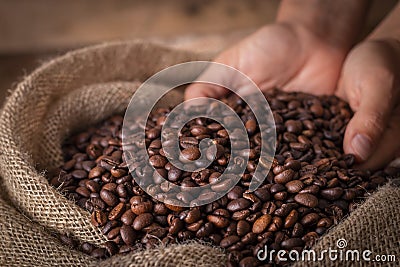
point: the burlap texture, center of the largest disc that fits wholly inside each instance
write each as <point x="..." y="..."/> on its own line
<point x="82" y="88"/>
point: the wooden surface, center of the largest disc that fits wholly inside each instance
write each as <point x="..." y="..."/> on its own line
<point x="32" y="31"/>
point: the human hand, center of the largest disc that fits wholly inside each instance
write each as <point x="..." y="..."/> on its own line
<point x="370" y="82"/>
<point x="283" y="55"/>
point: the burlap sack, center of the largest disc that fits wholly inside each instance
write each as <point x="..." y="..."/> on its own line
<point x="82" y="88"/>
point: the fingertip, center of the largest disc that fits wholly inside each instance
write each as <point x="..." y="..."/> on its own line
<point x="204" y="90"/>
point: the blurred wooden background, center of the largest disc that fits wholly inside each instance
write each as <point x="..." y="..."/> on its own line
<point x="32" y="31"/>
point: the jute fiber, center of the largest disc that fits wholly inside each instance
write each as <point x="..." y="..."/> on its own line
<point x="80" y="89"/>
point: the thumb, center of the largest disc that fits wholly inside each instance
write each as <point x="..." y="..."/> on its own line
<point x="212" y="78"/>
<point x="222" y="76"/>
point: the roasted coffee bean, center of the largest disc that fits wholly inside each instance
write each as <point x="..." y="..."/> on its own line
<point x="176" y="226"/>
<point x="189" y="154"/>
<point x="79" y="174"/>
<point x="192" y="216"/>
<point x="284" y="176"/>
<point x="294" y="186"/>
<point x="306" y="200"/>
<point x="108" y="226"/>
<point x="142" y="220"/>
<point x="261" y="223"/>
<point x="128" y="234"/>
<point x="98" y="218"/>
<point x="83" y="191"/>
<point x="218" y="221"/>
<point x="205" y="230"/>
<point x="108" y="197"/>
<point x="238" y="204"/>
<point x="291" y="219"/>
<point x="229" y="241"/>
<point x="292" y="243"/>
<point x="332" y="193"/>
<point x="243" y="227"/>
<point x="310" y="219"/>
<point x="158" y="161"/>
<point x="116" y="212"/>
<point x="142" y="207"/>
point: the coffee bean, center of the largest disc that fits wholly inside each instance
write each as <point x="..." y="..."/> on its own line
<point x="187" y="142"/>
<point x="176" y="226"/>
<point x="192" y="216"/>
<point x="189" y="154"/>
<point x="310" y="219"/>
<point x="116" y="212"/>
<point x="128" y="235"/>
<point x="158" y="161"/>
<point x="205" y="230"/>
<point x="79" y="174"/>
<point x="98" y="218"/>
<point x="291" y="219"/>
<point x="306" y="199"/>
<point x="142" y="220"/>
<point x="229" y="241"/>
<point x="218" y="221"/>
<point x="238" y="204"/>
<point x="261" y="223"/>
<point x="332" y="193"/>
<point x="198" y="130"/>
<point x="108" y="226"/>
<point x="243" y="227"/>
<point x="108" y="197"/>
<point x="251" y="126"/>
<point x="291" y="243"/>
<point x="142" y="207"/>
<point x="294" y="186"/>
<point x="83" y="191"/>
<point x="284" y="177"/>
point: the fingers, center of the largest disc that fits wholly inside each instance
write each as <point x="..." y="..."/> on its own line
<point x="388" y="146"/>
<point x="370" y="85"/>
<point x="213" y="77"/>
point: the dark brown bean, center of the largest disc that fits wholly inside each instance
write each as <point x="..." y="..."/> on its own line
<point x="294" y="186"/>
<point x="116" y="212"/>
<point x="128" y="235"/>
<point x="229" y="241"/>
<point x="284" y="177"/>
<point x="189" y="154"/>
<point x="261" y="223"/>
<point x="108" y="197"/>
<point x="238" y="204"/>
<point x="142" y="220"/>
<point x="158" y="161"/>
<point x="332" y="193"/>
<point x="306" y="199"/>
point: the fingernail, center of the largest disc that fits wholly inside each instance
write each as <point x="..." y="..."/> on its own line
<point x="362" y="146"/>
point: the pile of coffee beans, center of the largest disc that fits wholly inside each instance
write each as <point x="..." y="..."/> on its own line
<point x="311" y="186"/>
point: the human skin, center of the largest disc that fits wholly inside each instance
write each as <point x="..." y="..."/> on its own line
<point x="310" y="48"/>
